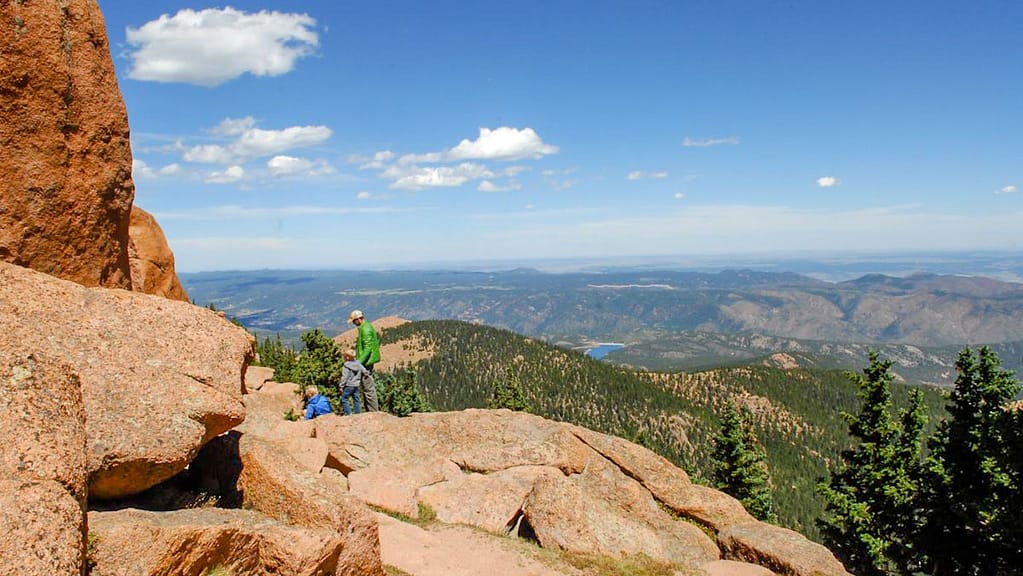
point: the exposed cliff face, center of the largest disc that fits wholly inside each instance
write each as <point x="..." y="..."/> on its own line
<point x="65" y="159"/>
<point x="152" y="262"/>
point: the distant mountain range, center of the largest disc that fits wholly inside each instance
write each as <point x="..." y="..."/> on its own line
<point x="667" y="319"/>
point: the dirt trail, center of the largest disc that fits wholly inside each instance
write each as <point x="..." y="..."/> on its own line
<point x="447" y="550"/>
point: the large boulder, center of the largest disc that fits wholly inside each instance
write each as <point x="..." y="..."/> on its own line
<point x="274" y="483"/>
<point x="42" y="465"/>
<point x="492" y="502"/>
<point x="151" y="259"/>
<point x="159" y="377"/>
<point x="604" y="511"/>
<point x="785" y="552"/>
<point x="195" y="541"/>
<point x="475" y="440"/>
<point x="668" y="483"/>
<point x="265" y="411"/>
<point x="65" y="158"/>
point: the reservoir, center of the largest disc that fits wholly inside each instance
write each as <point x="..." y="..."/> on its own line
<point x="603" y="349"/>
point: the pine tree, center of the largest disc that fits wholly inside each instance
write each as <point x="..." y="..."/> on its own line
<point x="399" y="394"/>
<point x="508" y="394"/>
<point x="873" y="495"/>
<point x="320" y="365"/>
<point x="740" y="467"/>
<point x="274" y="354"/>
<point x="973" y="474"/>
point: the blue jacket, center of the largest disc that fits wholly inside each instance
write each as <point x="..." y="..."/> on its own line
<point x="317" y="406"/>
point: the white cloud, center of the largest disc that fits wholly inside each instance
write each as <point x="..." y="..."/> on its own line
<point x="827" y="181"/>
<point x="233" y="126"/>
<point x="635" y="175"/>
<point x="208" y="154"/>
<point x="141" y="171"/>
<point x="252" y="142"/>
<point x="1006" y="189"/>
<point x="680" y="195"/>
<point x="231" y="174"/>
<point x="290" y="166"/>
<point x="287" y="165"/>
<point x="172" y="169"/>
<point x="211" y="46"/>
<point x="502" y="143"/>
<point x="488" y="186"/>
<point x="706" y="142"/>
<point x="659" y="175"/>
<point x="256" y="142"/>
<point x="377" y="162"/>
<point x="418" y="178"/>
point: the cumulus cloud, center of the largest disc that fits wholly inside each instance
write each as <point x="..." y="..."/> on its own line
<point x="208" y="154"/>
<point x="233" y="126"/>
<point x="1006" y="189"/>
<point x="140" y="170"/>
<point x="143" y="171"/>
<point x="251" y="142"/>
<point x="256" y="142"/>
<point x="211" y="46"/>
<point x="418" y="178"/>
<point x="377" y="162"/>
<point x="280" y="166"/>
<point x="228" y="176"/>
<point x="707" y="142"/>
<point x="488" y="186"/>
<point x="172" y="169"/>
<point x="827" y="181"/>
<point x="502" y="143"/>
<point x="428" y="170"/>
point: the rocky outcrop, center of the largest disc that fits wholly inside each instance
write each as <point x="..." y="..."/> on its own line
<point x="564" y="486"/>
<point x="42" y="465"/>
<point x="783" y="551"/>
<point x="131" y="542"/>
<point x="275" y="484"/>
<point x="65" y="158"/>
<point x="151" y="259"/>
<point x="159" y="378"/>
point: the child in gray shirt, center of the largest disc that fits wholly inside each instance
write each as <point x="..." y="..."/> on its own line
<point x="352" y="373"/>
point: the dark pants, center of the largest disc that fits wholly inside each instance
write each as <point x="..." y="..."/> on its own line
<point x="369" y="390"/>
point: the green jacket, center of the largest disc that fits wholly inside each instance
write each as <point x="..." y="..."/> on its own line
<point x="367" y="345"/>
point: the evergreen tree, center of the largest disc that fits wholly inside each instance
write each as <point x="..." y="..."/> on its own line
<point x="873" y="495"/>
<point x="399" y="394"/>
<point x="320" y="365"/>
<point x="973" y="474"/>
<point x="740" y="464"/>
<point x="274" y="354"/>
<point x="508" y="394"/>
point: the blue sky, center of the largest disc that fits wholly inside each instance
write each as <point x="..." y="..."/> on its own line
<point x="327" y="134"/>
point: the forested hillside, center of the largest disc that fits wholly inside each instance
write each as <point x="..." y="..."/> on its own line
<point x="797" y="412"/>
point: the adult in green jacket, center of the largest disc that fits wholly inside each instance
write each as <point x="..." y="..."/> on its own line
<point x="367" y="352"/>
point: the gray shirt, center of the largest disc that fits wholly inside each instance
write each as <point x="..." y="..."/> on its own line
<point x="351" y="373"/>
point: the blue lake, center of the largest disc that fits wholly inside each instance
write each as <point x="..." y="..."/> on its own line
<point x="603" y="349"/>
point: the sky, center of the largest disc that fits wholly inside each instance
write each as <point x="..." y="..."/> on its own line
<point x="338" y="134"/>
